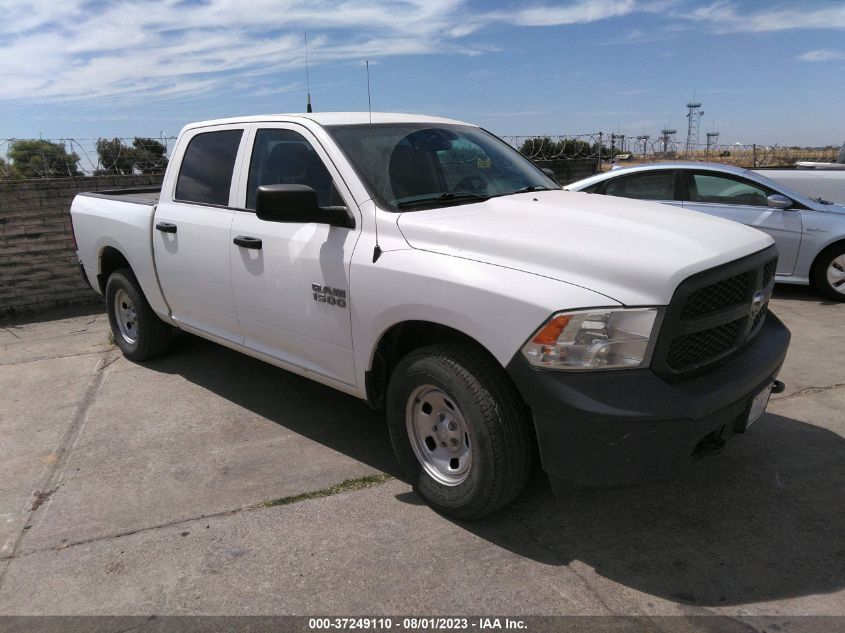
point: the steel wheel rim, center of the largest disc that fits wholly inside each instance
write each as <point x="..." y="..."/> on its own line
<point x="126" y="316"/>
<point x="836" y="274"/>
<point x="439" y="435"/>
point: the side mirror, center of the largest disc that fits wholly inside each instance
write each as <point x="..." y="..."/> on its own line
<point x="778" y="201"/>
<point x="297" y="203"/>
<point x="550" y="173"/>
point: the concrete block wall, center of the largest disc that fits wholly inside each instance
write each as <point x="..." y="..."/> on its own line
<point x="38" y="264"/>
<point x="568" y="170"/>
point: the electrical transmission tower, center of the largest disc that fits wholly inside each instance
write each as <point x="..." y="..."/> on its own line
<point x="712" y="141"/>
<point x="643" y="138"/>
<point x="667" y="138"/>
<point x="694" y="114"/>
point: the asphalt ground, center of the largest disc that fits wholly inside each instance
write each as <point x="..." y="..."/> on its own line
<point x="207" y="482"/>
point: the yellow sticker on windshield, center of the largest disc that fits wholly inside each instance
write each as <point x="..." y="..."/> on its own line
<point x="482" y="163"/>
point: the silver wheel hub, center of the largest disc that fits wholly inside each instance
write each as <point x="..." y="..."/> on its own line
<point x="836" y="274"/>
<point x="439" y="435"/>
<point x="126" y="317"/>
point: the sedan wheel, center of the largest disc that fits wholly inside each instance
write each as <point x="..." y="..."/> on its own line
<point x="828" y="273"/>
<point x="836" y="274"/>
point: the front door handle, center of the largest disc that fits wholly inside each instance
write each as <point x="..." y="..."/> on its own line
<point x="248" y="242"/>
<point x="166" y="227"/>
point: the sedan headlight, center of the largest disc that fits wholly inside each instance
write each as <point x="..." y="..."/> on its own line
<point x="594" y="339"/>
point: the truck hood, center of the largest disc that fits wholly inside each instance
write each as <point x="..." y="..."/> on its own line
<point x="633" y="252"/>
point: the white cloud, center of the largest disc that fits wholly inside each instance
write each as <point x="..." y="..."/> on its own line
<point x="821" y="56"/>
<point x="726" y="15"/>
<point x="575" y="13"/>
<point x="85" y="50"/>
<point x="78" y="50"/>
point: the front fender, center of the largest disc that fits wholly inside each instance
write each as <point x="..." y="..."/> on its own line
<point x="496" y="306"/>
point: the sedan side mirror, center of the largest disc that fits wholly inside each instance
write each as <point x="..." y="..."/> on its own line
<point x="297" y="203"/>
<point x="778" y="201"/>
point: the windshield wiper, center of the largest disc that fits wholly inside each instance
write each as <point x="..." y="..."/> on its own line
<point x="460" y="197"/>
<point x="527" y="189"/>
<point x="531" y="188"/>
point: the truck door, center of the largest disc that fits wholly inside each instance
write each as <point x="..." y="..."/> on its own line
<point x="736" y="198"/>
<point x="191" y="232"/>
<point x="291" y="280"/>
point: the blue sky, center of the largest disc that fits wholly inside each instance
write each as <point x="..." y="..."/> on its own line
<point x="766" y="72"/>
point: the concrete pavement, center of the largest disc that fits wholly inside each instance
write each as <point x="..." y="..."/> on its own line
<point x="141" y="489"/>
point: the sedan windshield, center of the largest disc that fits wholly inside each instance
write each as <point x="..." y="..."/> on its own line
<point x="407" y="166"/>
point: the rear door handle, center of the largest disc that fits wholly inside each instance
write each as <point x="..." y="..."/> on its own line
<point x="166" y="227"/>
<point x="248" y="242"/>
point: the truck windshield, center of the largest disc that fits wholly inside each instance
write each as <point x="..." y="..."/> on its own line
<point x="408" y="166"/>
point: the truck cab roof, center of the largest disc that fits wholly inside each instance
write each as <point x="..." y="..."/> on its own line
<point x="329" y="118"/>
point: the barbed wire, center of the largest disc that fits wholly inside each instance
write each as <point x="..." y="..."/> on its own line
<point x="74" y="157"/>
<point x="600" y="145"/>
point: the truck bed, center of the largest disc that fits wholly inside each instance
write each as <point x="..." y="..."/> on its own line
<point x="119" y="220"/>
<point x="136" y="195"/>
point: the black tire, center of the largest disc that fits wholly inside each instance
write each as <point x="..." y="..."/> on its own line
<point x="154" y="336"/>
<point x="493" y="412"/>
<point x="818" y="274"/>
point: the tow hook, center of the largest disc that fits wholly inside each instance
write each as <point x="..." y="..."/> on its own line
<point x="778" y="387"/>
<point x="710" y="443"/>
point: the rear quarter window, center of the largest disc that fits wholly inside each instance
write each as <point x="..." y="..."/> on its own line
<point x="205" y="176"/>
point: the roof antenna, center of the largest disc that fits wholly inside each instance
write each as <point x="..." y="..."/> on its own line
<point x="377" y="248"/>
<point x="307" y="78"/>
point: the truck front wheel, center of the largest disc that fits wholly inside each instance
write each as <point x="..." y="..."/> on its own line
<point x="136" y="329"/>
<point x="459" y="429"/>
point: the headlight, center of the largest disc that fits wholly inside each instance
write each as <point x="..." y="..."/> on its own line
<point x="594" y="339"/>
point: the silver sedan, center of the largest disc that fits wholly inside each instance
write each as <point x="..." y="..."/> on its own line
<point x="810" y="234"/>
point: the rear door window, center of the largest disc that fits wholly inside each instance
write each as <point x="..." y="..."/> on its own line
<point x="719" y="189"/>
<point x="650" y="185"/>
<point x="205" y="176"/>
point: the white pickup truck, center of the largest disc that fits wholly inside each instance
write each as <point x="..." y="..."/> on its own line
<point x="424" y="265"/>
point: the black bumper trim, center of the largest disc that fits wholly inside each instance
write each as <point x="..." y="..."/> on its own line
<point x="616" y="428"/>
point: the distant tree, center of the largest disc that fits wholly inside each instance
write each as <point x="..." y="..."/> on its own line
<point x="43" y="159"/>
<point x="545" y="148"/>
<point x="115" y="157"/>
<point x="150" y="155"/>
<point x="145" y="156"/>
<point x="6" y="170"/>
<point x="575" y="148"/>
<point x="539" y="148"/>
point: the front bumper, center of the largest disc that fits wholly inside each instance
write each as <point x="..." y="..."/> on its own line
<point x="618" y="428"/>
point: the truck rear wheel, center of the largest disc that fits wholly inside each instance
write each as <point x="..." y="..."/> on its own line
<point x="459" y="429"/>
<point x="828" y="274"/>
<point x="136" y="329"/>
